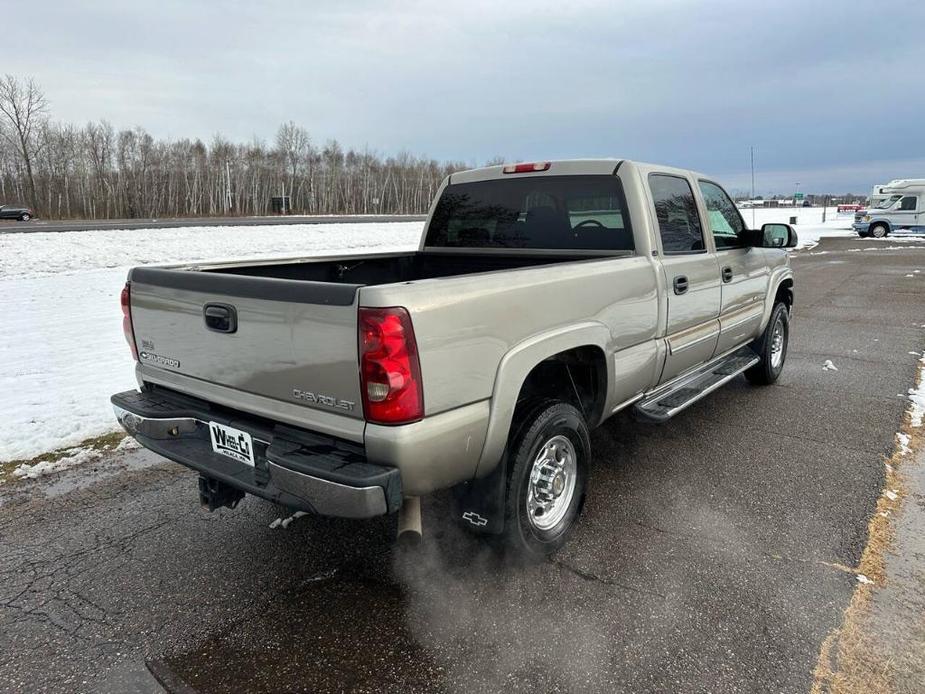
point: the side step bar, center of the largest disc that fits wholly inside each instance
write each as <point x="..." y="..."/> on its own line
<point x="664" y="403"/>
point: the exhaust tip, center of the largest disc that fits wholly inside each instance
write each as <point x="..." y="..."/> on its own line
<point x="409" y="522"/>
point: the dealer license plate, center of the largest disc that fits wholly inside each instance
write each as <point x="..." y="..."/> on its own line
<point x="232" y="442"/>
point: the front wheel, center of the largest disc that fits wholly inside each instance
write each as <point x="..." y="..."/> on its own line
<point x="546" y="488"/>
<point x="771" y="348"/>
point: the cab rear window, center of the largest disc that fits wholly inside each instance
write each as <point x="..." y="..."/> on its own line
<point x="533" y="212"/>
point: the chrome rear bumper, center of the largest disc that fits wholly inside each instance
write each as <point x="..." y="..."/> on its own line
<point x="293" y="468"/>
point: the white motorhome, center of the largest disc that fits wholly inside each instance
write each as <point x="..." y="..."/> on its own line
<point x="900" y="208"/>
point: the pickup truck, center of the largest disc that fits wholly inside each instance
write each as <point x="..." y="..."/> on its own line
<point x="543" y="298"/>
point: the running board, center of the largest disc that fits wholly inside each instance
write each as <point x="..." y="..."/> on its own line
<point x="666" y="402"/>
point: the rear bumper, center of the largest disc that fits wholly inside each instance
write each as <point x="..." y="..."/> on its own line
<point x="299" y="469"/>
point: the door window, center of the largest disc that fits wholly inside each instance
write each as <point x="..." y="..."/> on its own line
<point x="725" y="221"/>
<point x="678" y="220"/>
<point x="908" y="203"/>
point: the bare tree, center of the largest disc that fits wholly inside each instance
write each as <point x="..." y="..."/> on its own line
<point x="98" y="171"/>
<point x="24" y="108"/>
<point x="294" y="145"/>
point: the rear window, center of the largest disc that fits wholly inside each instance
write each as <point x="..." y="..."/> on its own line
<point x="544" y="212"/>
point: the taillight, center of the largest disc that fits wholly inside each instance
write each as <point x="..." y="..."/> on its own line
<point x="127" y="328"/>
<point x="390" y="373"/>
<point x="526" y="168"/>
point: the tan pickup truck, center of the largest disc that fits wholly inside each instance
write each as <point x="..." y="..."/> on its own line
<point x="543" y="298"/>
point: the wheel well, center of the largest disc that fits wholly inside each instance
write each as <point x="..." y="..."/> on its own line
<point x="577" y="376"/>
<point x="785" y="293"/>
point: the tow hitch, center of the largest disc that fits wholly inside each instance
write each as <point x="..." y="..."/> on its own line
<point x="214" y="494"/>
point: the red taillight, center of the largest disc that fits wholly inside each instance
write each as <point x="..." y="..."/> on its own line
<point x="390" y="373"/>
<point x="127" y="328"/>
<point x="526" y="168"/>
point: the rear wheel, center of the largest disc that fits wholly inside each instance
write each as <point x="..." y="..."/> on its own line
<point x="546" y="488"/>
<point x="771" y="347"/>
<point x="879" y="231"/>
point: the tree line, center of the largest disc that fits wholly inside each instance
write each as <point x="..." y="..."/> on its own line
<point x="95" y="171"/>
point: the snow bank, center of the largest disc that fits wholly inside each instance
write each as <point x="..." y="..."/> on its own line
<point x="62" y="353"/>
<point x="47" y="253"/>
<point x="46" y="467"/>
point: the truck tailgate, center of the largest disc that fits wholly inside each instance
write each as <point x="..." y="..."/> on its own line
<point x="288" y="340"/>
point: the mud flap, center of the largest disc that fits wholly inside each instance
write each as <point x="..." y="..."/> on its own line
<point x="479" y="504"/>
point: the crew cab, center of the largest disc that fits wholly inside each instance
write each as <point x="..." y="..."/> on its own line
<point x="542" y="299"/>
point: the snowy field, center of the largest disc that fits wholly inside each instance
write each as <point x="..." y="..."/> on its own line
<point x="62" y="353"/>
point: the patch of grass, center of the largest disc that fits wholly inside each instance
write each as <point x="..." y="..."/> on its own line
<point x="851" y="659"/>
<point x="98" y="443"/>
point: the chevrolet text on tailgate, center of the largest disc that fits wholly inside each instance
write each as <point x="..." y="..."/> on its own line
<point x="543" y="298"/>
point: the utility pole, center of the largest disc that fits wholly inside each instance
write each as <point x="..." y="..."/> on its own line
<point x="752" y="152"/>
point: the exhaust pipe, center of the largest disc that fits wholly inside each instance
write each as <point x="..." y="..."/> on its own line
<point x="409" y="521"/>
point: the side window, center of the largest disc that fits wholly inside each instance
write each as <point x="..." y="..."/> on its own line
<point x="676" y="211"/>
<point x="907" y="203"/>
<point x="725" y="221"/>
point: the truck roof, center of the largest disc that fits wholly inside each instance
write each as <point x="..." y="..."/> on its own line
<point x="563" y="167"/>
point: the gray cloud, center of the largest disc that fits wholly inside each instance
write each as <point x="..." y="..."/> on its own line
<point x="828" y="86"/>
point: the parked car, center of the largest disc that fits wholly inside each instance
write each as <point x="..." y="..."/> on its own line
<point x="900" y="209"/>
<point x="543" y="298"/>
<point x="23" y="214"/>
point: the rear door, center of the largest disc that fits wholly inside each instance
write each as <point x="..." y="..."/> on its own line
<point x="743" y="271"/>
<point x="691" y="274"/>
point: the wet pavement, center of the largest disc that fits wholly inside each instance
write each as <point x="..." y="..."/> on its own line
<point x="715" y="552"/>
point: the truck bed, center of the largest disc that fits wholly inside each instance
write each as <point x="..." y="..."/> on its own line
<point x="292" y="348"/>
<point x="391" y="268"/>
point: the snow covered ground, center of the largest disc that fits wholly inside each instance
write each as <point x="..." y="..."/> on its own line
<point x="810" y="227"/>
<point x="62" y="352"/>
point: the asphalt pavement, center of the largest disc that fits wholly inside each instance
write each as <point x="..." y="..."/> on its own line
<point x="715" y="552"/>
<point x="41" y="225"/>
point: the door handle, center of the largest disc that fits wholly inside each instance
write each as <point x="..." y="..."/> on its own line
<point x="222" y="318"/>
<point x="680" y="284"/>
<point x="727" y="274"/>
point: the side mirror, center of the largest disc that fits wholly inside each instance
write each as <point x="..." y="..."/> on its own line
<point x="778" y="236"/>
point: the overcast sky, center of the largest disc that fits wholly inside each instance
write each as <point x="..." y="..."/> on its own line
<point x="832" y="94"/>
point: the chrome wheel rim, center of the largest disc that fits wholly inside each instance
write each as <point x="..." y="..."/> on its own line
<point x="552" y="483"/>
<point x="777" y="344"/>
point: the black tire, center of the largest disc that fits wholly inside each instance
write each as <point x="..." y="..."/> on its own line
<point x="879" y="231"/>
<point x="768" y="370"/>
<point x="549" y="422"/>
